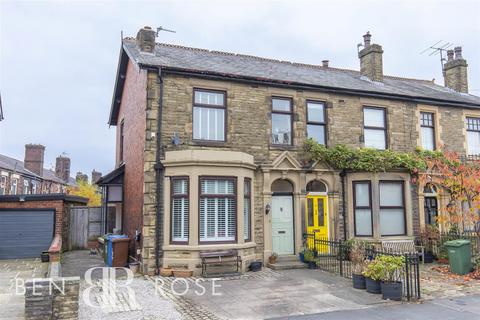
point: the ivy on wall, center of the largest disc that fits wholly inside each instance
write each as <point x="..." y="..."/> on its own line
<point x="341" y="157"/>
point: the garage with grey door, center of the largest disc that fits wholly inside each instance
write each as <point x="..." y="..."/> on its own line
<point x="25" y="233"/>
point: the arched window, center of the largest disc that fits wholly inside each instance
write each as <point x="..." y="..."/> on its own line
<point x="282" y="185"/>
<point x="316" y="186"/>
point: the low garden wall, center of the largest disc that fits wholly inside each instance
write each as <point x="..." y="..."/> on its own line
<point x="54" y="297"/>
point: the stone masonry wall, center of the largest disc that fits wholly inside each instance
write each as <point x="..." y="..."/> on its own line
<point x="249" y="126"/>
<point x="52" y="298"/>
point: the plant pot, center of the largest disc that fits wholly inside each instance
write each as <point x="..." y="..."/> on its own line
<point x="442" y="260"/>
<point x="255" y="266"/>
<point x="429" y="257"/>
<point x="134" y="266"/>
<point x="45" y="257"/>
<point x="272" y="260"/>
<point x="166" y="272"/>
<point x="358" y="281"/>
<point x="182" y="273"/>
<point x="373" y="286"/>
<point x="301" y="256"/>
<point x="392" y="291"/>
<point x="312" y="265"/>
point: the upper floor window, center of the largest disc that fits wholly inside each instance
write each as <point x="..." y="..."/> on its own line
<point x="218" y="210"/>
<point x="3" y="185"/>
<point x="375" y="127"/>
<point x="13" y="187"/>
<point x="180" y="209"/>
<point x="209" y="115"/>
<point x="427" y="125"/>
<point x="26" y="189"/>
<point x="316" y="121"/>
<point x="282" y="121"/>
<point x="473" y="135"/>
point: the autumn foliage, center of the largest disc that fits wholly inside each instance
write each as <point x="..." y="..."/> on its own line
<point x="86" y="190"/>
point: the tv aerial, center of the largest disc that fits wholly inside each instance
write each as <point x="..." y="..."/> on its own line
<point x="164" y="29"/>
<point x="439" y="48"/>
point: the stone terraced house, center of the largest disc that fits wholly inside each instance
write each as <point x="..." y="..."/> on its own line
<point x="210" y="149"/>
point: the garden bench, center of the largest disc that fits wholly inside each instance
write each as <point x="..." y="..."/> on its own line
<point x="402" y="247"/>
<point x="220" y="258"/>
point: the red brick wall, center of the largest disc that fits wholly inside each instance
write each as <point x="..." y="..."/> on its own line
<point x="132" y="112"/>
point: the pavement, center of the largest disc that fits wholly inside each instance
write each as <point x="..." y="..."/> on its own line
<point x="13" y="273"/>
<point x="466" y="307"/>
<point x="269" y="294"/>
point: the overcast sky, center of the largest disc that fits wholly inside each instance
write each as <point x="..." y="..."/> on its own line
<point x="58" y="59"/>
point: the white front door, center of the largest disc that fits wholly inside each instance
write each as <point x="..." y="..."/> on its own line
<point x="282" y="225"/>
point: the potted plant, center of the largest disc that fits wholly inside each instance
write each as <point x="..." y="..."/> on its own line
<point x="255" y="266"/>
<point x="134" y="265"/>
<point x="429" y="236"/>
<point x="391" y="275"/>
<point x="45" y="257"/>
<point x="301" y="254"/>
<point x="442" y="256"/>
<point x="166" y="271"/>
<point x="273" y="258"/>
<point x="373" y="273"/>
<point x="309" y="257"/>
<point x="359" y="262"/>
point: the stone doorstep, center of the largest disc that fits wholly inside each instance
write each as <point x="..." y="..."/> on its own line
<point x="287" y="265"/>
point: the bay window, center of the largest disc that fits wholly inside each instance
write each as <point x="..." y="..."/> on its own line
<point x="362" y="208"/>
<point x="218" y="210"/>
<point x="316" y="121"/>
<point x="247" y="210"/>
<point x="392" y="208"/>
<point x="209" y="115"/>
<point x="282" y="121"/>
<point x="180" y="209"/>
<point x="13" y="187"/>
<point x="375" y="128"/>
<point x="427" y="126"/>
<point x="3" y="185"/>
<point x="473" y="135"/>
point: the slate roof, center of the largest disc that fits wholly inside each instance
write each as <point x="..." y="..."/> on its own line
<point x="12" y="164"/>
<point x="224" y="64"/>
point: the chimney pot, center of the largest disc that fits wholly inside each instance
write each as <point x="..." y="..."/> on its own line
<point x="458" y="53"/>
<point x="449" y="55"/>
<point x="366" y="39"/>
<point x="325" y="63"/>
<point x="146" y="39"/>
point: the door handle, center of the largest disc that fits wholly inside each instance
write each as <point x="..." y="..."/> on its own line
<point x="281" y="232"/>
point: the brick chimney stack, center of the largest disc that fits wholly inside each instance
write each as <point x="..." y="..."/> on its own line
<point x="455" y="71"/>
<point x="146" y="39"/>
<point x="34" y="155"/>
<point x="95" y="176"/>
<point x="62" y="168"/>
<point x="371" y="63"/>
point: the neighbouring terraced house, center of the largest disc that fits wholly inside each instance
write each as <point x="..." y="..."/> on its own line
<point x="210" y="149"/>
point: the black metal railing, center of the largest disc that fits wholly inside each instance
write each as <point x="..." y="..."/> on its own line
<point x="334" y="256"/>
<point x="437" y="246"/>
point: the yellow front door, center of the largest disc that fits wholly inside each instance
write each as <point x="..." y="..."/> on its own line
<point x="317" y="219"/>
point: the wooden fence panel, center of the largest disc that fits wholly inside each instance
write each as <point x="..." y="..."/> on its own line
<point x="85" y="224"/>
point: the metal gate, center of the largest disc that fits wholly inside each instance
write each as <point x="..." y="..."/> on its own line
<point x="85" y="224"/>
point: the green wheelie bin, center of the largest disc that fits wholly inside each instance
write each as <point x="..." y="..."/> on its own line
<point x="459" y="256"/>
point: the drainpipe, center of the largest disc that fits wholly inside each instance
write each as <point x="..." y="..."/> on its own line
<point x="160" y="172"/>
<point x="344" y="207"/>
